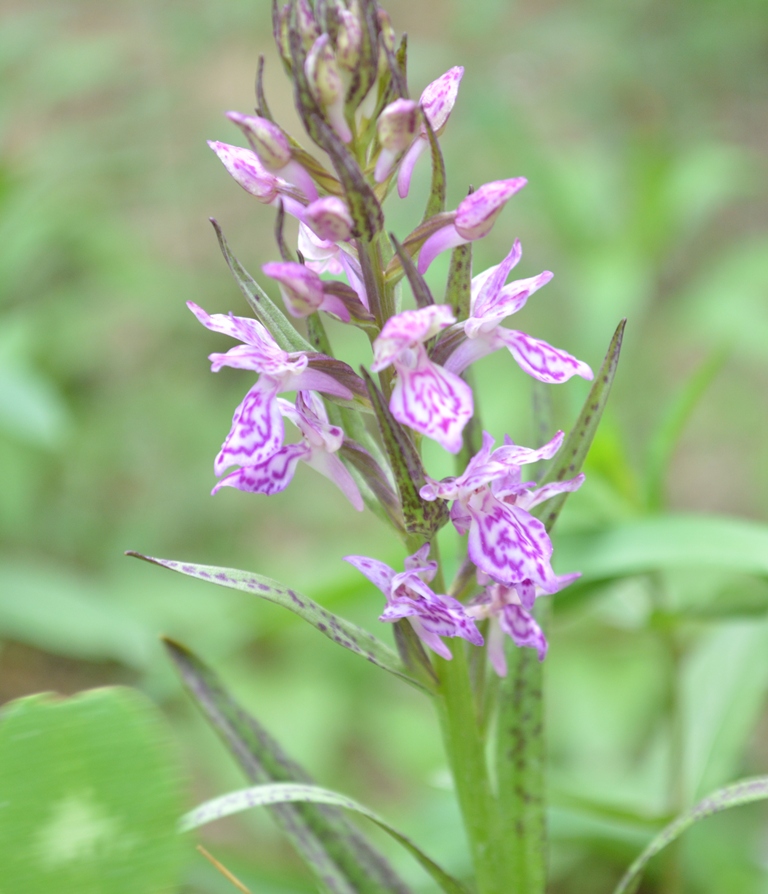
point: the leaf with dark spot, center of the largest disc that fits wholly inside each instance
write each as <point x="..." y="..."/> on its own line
<point x="340" y="856"/>
<point x="436" y="201"/>
<point x="570" y="458"/>
<point x="336" y="628"/>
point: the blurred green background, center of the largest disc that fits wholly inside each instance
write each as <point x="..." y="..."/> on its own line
<point x="641" y="128"/>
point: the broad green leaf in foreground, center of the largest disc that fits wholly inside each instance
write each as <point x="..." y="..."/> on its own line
<point x="341" y="631"/>
<point x="89" y="796"/>
<point x="668" y="541"/>
<point x="570" y="458"/>
<point x="342" y="859"/>
<point x="745" y="792"/>
<point x="265" y="795"/>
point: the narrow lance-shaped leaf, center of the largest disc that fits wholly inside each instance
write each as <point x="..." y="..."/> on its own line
<point x="266" y="795"/>
<point x="421" y="517"/>
<point x="285" y="253"/>
<point x="458" y="288"/>
<point x="262" y="108"/>
<point x="338" y="629"/>
<point x="376" y="480"/>
<point x="745" y="792"/>
<point x="342" y="859"/>
<point x="267" y="312"/>
<point x="436" y="201"/>
<point x="416" y="281"/>
<point x="412" y="652"/>
<point x="572" y="454"/>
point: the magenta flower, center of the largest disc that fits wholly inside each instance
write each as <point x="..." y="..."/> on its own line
<point x="509" y="611"/>
<point x="437" y="102"/>
<point x="274" y="151"/>
<point x="491" y="502"/>
<point x="303" y="291"/>
<point x="257" y="426"/>
<point x="320" y="441"/>
<point x="472" y="220"/>
<point x="396" y="127"/>
<point x="491" y="303"/>
<point x="408" y="596"/>
<point x="426" y="397"/>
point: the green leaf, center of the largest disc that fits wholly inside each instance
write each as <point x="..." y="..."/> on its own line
<point x="89" y="795"/>
<point x="265" y="795"/>
<point x="668" y="541"/>
<point x="416" y="281"/>
<point x="337" y="852"/>
<point x="421" y="517"/>
<point x="458" y="287"/>
<point x="745" y="792"/>
<point x="341" y="631"/>
<point x="267" y="312"/>
<point x="572" y="454"/>
<point x="436" y="201"/>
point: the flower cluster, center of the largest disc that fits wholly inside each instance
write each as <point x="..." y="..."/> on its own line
<point x="352" y="97"/>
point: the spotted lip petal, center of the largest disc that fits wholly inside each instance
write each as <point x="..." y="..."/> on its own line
<point x="269" y="477"/>
<point x="519" y="624"/>
<point x="432" y="401"/>
<point x="509" y="544"/>
<point x="257" y="429"/>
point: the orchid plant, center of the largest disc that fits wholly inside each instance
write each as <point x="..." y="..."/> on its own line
<point x="363" y="429"/>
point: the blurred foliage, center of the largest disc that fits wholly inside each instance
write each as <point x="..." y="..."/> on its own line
<point x="641" y="128"/>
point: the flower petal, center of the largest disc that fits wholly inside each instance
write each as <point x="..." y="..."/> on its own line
<point x="257" y="429"/>
<point x="478" y="211"/>
<point x="439" y="97"/>
<point x="539" y="495"/>
<point x="516" y="622"/>
<point x="432" y="401"/>
<point x="508" y="543"/>
<point x="489" y="283"/>
<point x="379" y="574"/>
<point x="270" y="477"/>
<point x="539" y="359"/>
<point x="333" y="468"/>
<point x="407" y="329"/>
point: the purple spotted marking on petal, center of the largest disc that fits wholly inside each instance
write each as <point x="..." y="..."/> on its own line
<point x="516" y="622"/>
<point x="301" y="288"/>
<point x="540" y="360"/>
<point x="379" y="574"/>
<point x="508" y="543"/>
<point x="476" y="214"/>
<point x="247" y="171"/>
<point x="486" y="285"/>
<point x="432" y="401"/>
<point x="257" y="429"/>
<point x="439" y="98"/>
<point x="269" y="477"/>
<point x="539" y="495"/>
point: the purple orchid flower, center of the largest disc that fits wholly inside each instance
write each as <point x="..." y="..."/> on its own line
<point x="437" y="102"/>
<point x="303" y="291"/>
<point x="491" y="502"/>
<point x="509" y="611"/>
<point x="408" y="596"/>
<point x="319" y="444"/>
<point x="274" y="151"/>
<point x="491" y="303"/>
<point x="397" y="126"/>
<point x="247" y="171"/>
<point x="472" y="220"/>
<point x="257" y="426"/>
<point x="426" y="398"/>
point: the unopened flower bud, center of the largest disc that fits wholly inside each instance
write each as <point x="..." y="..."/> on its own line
<point x="397" y="127"/>
<point x="308" y="27"/>
<point x="301" y="288"/>
<point x="330" y="219"/>
<point x="266" y="138"/>
<point x="349" y="38"/>
<point x="325" y="84"/>
<point x="476" y="214"/>
<point x="280" y="27"/>
<point x="246" y="169"/>
<point x="387" y="31"/>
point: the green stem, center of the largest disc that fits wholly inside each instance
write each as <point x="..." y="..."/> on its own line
<point x="466" y="756"/>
